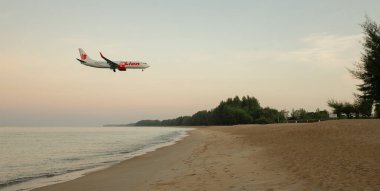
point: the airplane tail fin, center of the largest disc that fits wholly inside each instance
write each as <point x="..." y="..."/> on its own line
<point x="84" y="56"/>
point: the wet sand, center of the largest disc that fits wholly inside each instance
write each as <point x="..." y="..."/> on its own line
<point x="331" y="155"/>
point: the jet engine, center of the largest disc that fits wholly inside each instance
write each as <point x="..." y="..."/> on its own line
<point x="122" y="67"/>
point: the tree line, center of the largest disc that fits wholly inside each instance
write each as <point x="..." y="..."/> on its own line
<point x="359" y="109"/>
<point x="303" y="115"/>
<point x="233" y="111"/>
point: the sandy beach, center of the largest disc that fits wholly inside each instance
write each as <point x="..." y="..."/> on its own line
<point x="330" y="155"/>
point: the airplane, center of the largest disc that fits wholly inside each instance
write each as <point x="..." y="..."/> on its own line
<point x="113" y="65"/>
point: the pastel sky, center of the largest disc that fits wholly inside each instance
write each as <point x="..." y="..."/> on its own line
<point x="288" y="54"/>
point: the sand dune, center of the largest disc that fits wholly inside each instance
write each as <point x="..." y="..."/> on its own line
<point x="331" y="155"/>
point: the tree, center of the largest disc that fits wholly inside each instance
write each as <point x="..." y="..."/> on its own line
<point x="360" y="108"/>
<point x="252" y="106"/>
<point x="348" y="109"/>
<point x="302" y="114"/>
<point x="377" y="110"/>
<point x="201" y="118"/>
<point x="363" y="107"/>
<point x="368" y="69"/>
<point x="299" y="114"/>
<point x="336" y="106"/>
<point x="148" y="123"/>
<point x="269" y="115"/>
<point x="321" y="115"/>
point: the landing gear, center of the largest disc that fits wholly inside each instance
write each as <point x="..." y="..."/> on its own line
<point x="114" y="70"/>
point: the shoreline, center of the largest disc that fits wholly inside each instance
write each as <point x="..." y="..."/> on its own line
<point x="43" y="181"/>
<point x="110" y="170"/>
<point x="328" y="155"/>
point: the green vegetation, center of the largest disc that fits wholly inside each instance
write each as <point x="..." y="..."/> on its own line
<point x="367" y="70"/>
<point x="360" y="108"/>
<point x="232" y="112"/>
<point x="302" y="115"/>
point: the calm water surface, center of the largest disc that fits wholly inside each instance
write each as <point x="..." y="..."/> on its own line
<point x="31" y="157"/>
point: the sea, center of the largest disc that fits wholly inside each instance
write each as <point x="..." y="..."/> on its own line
<point x="32" y="157"/>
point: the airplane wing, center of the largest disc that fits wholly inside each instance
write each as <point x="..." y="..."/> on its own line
<point x="112" y="64"/>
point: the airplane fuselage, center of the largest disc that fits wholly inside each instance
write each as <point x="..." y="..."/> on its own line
<point x="113" y="65"/>
<point x="121" y="64"/>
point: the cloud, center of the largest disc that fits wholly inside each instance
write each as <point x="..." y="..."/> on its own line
<point x="325" y="50"/>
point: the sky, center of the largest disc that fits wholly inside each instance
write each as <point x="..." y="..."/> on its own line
<point x="288" y="54"/>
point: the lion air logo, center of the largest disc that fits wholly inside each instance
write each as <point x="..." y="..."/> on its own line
<point x="83" y="56"/>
